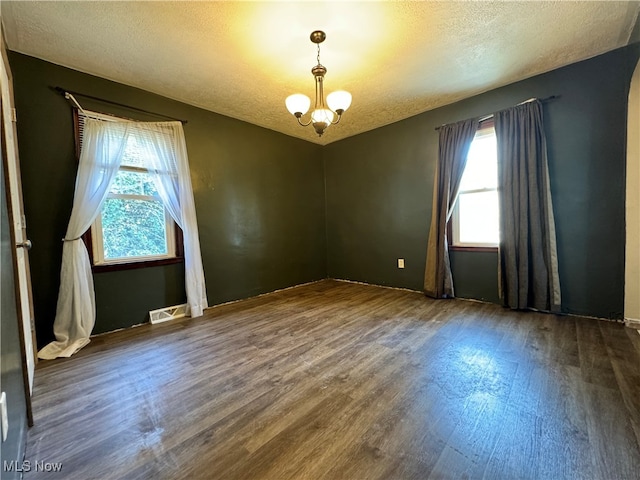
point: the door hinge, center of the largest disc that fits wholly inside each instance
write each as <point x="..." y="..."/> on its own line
<point x="14" y="115"/>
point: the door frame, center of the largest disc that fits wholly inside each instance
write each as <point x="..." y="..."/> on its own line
<point x="17" y="228"/>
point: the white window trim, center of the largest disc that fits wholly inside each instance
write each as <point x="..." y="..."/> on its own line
<point x="98" y="244"/>
<point x="455" y="227"/>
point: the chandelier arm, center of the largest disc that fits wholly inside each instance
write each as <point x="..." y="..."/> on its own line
<point x="338" y="120"/>
<point x="303" y="124"/>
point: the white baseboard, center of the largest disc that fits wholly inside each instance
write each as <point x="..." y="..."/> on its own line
<point x="632" y="323"/>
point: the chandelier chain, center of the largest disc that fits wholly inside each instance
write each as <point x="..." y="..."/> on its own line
<point x="318" y="57"/>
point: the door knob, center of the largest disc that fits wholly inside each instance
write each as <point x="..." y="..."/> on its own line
<point x="26" y="244"/>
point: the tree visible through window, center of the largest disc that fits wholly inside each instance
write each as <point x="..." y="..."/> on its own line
<point x="133" y="224"/>
<point x="475" y="221"/>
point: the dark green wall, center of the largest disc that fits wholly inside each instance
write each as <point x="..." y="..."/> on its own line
<point x="377" y="201"/>
<point x="476" y="275"/>
<point x="379" y="188"/>
<point x="635" y="34"/>
<point x="260" y="196"/>
<point x="259" y="199"/>
<point x="11" y="377"/>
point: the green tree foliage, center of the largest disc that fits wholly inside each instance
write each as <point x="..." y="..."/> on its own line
<point x="133" y="227"/>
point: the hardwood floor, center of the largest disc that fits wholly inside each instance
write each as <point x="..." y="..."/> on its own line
<point x="335" y="380"/>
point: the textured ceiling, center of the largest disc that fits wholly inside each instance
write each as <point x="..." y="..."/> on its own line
<point x="242" y="59"/>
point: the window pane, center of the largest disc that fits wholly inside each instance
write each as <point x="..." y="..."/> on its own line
<point x="134" y="155"/>
<point x="133" y="183"/>
<point x="478" y="213"/>
<point x="133" y="228"/>
<point x="482" y="168"/>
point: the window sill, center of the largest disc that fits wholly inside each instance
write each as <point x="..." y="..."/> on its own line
<point x="458" y="248"/>
<point x="115" y="267"/>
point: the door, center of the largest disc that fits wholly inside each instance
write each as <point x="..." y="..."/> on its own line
<point x="11" y="371"/>
<point x="17" y="224"/>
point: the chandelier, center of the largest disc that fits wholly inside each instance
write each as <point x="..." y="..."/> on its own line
<point x="337" y="102"/>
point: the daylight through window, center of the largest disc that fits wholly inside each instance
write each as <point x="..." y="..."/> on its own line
<point x="475" y="216"/>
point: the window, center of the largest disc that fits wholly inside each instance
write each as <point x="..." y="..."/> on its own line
<point x="133" y="225"/>
<point x="474" y="222"/>
<point x="133" y="229"/>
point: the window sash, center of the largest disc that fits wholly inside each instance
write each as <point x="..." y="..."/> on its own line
<point x="456" y="227"/>
<point x="133" y="196"/>
<point x="477" y="190"/>
<point x="98" y="240"/>
<point x="97" y="231"/>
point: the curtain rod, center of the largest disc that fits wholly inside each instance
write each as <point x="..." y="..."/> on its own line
<point x="64" y="91"/>
<point x="487" y="117"/>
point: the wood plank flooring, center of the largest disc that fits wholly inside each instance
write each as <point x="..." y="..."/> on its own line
<point x="336" y="380"/>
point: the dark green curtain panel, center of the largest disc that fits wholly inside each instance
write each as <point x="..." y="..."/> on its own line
<point x="455" y="140"/>
<point x="528" y="261"/>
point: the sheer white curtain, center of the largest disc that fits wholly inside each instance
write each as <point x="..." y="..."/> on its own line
<point x="103" y="148"/>
<point x="100" y="159"/>
<point x="168" y="162"/>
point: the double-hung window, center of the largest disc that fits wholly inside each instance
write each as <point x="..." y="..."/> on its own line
<point x="133" y="227"/>
<point x="475" y="221"/>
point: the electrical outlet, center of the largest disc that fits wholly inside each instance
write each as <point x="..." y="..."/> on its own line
<point x="5" y="418"/>
<point x="401" y="263"/>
